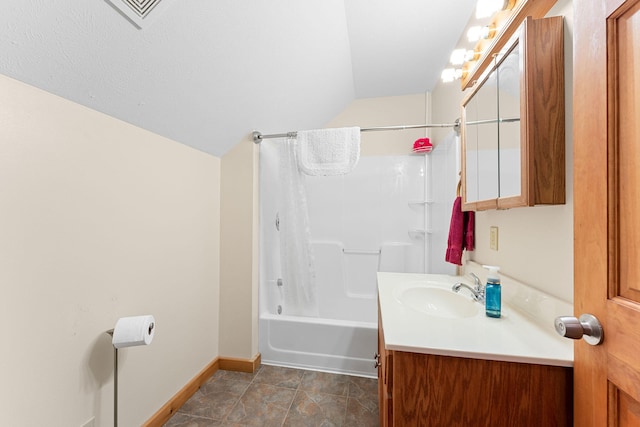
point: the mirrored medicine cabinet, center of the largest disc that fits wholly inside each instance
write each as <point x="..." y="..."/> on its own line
<point x="513" y="123"/>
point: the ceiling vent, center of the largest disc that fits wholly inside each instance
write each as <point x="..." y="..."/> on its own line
<point x="140" y="12"/>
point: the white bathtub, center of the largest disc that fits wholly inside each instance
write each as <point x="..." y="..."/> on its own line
<point x="328" y="345"/>
<point x="344" y="337"/>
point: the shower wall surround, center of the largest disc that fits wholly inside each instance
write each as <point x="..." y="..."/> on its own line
<point x="390" y="214"/>
<point x="376" y="218"/>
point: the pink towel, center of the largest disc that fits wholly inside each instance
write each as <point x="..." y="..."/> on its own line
<point x="461" y="231"/>
<point x="469" y="230"/>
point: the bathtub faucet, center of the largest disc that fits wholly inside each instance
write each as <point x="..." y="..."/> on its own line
<point x="477" y="291"/>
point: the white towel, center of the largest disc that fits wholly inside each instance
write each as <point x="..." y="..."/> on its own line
<point x="328" y="151"/>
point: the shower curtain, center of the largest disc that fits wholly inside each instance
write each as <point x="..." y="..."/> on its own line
<point x="298" y="273"/>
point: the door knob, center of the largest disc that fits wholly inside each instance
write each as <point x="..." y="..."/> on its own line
<point x="587" y="327"/>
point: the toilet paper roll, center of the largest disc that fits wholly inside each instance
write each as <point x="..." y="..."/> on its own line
<point x="133" y="331"/>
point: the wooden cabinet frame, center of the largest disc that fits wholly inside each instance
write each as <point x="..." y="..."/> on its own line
<point x="542" y="118"/>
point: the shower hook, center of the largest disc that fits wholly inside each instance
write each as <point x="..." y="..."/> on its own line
<point x="277" y="221"/>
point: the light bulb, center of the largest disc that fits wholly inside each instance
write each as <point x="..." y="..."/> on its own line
<point x="474" y="34"/>
<point x="486" y="8"/>
<point x="471" y="55"/>
<point x="488" y="32"/>
<point x="450" y="74"/>
<point x="457" y="56"/>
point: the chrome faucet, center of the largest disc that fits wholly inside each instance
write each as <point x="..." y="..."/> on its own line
<point x="477" y="291"/>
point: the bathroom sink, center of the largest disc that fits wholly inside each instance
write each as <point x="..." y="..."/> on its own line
<point x="437" y="301"/>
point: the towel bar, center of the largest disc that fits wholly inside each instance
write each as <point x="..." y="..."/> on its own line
<point x="361" y="251"/>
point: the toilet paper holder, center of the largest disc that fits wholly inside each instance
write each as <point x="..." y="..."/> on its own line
<point x="115" y="373"/>
<point x="115" y="381"/>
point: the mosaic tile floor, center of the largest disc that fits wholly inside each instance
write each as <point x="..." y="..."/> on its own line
<point x="275" y="396"/>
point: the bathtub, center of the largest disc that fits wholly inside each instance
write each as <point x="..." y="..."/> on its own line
<point x="328" y="345"/>
<point x="344" y="338"/>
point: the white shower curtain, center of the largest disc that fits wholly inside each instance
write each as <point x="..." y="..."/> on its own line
<point x="298" y="273"/>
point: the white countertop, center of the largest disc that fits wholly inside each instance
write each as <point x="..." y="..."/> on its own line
<point x="518" y="336"/>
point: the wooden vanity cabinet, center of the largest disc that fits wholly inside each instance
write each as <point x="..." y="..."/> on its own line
<point x="433" y="391"/>
<point x="385" y="362"/>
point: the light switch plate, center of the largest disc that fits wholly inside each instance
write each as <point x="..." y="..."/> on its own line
<point x="493" y="238"/>
<point x="90" y="423"/>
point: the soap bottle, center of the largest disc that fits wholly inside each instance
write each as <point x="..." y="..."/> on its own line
<point x="492" y="292"/>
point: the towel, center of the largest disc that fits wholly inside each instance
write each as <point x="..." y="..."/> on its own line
<point x="469" y="230"/>
<point x="461" y="233"/>
<point x="328" y="151"/>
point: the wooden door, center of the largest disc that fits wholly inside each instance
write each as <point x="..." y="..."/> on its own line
<point x="607" y="208"/>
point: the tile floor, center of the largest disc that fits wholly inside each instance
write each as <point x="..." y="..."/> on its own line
<point x="276" y="396"/>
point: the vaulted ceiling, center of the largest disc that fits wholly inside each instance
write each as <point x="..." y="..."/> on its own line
<point x="206" y="73"/>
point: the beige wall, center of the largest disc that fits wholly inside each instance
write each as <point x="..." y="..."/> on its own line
<point x="536" y="243"/>
<point x="239" y="252"/>
<point x="99" y="220"/>
<point x="386" y="111"/>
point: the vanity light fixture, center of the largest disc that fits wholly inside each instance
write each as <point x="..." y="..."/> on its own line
<point x="506" y="20"/>
<point x="494" y="19"/>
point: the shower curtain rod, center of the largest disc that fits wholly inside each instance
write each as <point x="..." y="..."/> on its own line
<point x="257" y="136"/>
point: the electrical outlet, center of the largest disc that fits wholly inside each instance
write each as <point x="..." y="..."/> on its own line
<point x="90" y="423"/>
<point x="493" y="238"/>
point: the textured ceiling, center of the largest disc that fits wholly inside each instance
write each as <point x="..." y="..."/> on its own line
<point x="206" y="73"/>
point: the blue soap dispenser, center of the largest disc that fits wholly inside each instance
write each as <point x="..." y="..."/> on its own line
<point x="492" y="292"/>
